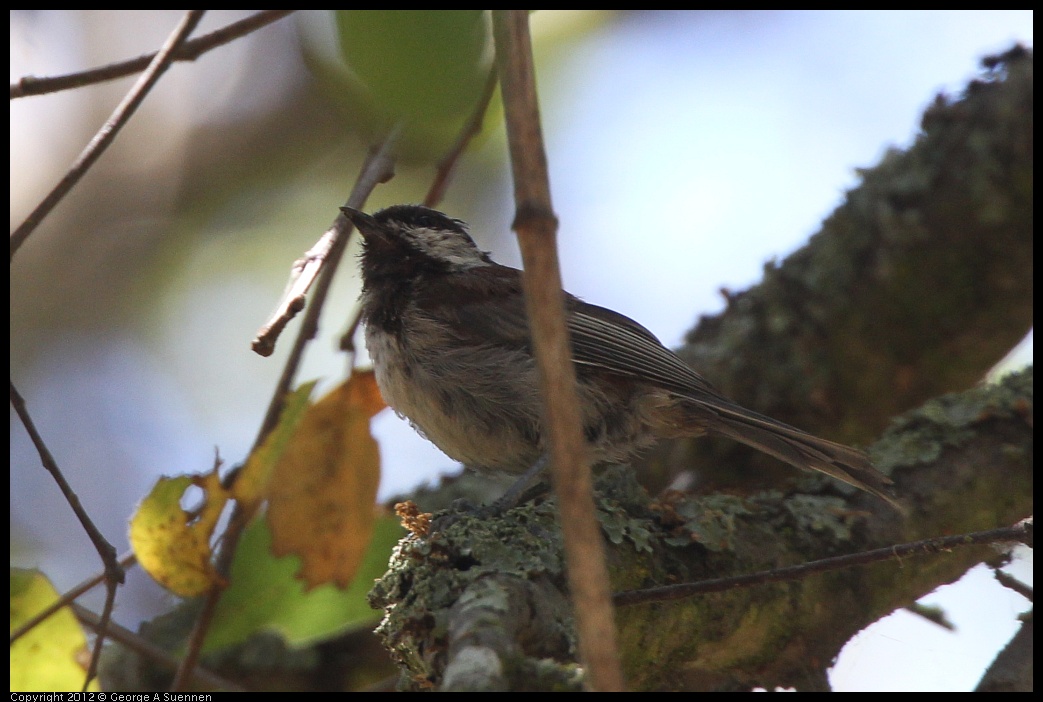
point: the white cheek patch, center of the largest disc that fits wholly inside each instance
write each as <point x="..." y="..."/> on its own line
<point x="455" y="249"/>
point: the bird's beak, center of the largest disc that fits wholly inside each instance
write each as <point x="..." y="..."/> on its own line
<point x="366" y="225"/>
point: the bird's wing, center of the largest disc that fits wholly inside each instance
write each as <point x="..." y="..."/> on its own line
<point x="488" y="307"/>
<point x="613" y="343"/>
<point x="617" y="344"/>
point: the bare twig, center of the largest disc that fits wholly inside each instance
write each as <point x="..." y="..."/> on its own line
<point x="472" y="127"/>
<point x="443" y="175"/>
<point x="303" y="273"/>
<point x="306" y="269"/>
<point x="1012" y="583"/>
<point x="67" y="598"/>
<point x="935" y="615"/>
<point x="150" y="650"/>
<point x="120" y="116"/>
<point x="106" y="551"/>
<point x="125" y="561"/>
<point x="536" y="226"/>
<point x="194" y="646"/>
<point x="1018" y="533"/>
<point x="347" y="339"/>
<point x="113" y="571"/>
<point x="378" y="168"/>
<point x="102" y="631"/>
<point x="175" y="48"/>
<point x="323" y="259"/>
<point x="189" y="51"/>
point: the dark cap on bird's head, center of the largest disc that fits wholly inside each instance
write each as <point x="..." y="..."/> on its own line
<point x="419" y="231"/>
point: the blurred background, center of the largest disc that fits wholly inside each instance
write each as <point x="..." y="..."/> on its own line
<point x="686" y="149"/>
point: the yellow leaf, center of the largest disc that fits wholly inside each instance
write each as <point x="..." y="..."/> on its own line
<point x="323" y="490"/>
<point x="52" y="656"/>
<point x="171" y="545"/>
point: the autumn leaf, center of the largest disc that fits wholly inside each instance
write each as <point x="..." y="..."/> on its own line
<point x="172" y="545"/>
<point x="323" y="489"/>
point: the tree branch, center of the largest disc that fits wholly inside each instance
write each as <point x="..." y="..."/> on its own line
<point x="107" y="134"/>
<point x="536" y="226"/>
<point x="189" y="51"/>
<point x="776" y="633"/>
<point x="114" y="575"/>
<point x="1017" y="533"/>
<point x="916" y="285"/>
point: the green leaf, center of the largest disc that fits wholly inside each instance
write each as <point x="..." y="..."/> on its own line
<point x="424" y="68"/>
<point x="264" y="595"/>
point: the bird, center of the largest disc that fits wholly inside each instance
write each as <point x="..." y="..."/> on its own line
<point x="448" y="335"/>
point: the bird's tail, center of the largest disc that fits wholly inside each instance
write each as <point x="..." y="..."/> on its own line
<point x="793" y="446"/>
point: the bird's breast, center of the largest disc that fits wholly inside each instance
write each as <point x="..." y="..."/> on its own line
<point x="479" y="405"/>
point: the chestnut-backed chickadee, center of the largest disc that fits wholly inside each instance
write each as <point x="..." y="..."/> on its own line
<point x="448" y="334"/>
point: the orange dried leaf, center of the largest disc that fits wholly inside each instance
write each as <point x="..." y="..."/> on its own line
<point x="169" y="544"/>
<point x="364" y="393"/>
<point x="323" y="489"/>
